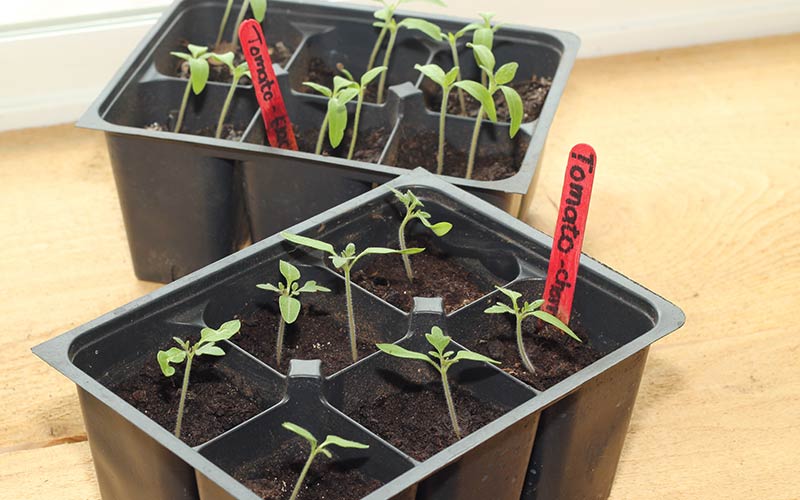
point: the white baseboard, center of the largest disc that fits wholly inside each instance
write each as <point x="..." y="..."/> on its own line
<point x="70" y="81"/>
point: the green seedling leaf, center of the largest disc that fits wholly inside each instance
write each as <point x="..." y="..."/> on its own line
<point x="506" y="73"/>
<point x="181" y="55"/>
<point x="171" y="355"/>
<point x="342" y="443"/>
<point x="499" y="308"/>
<point x="466" y="29"/>
<point x="290" y="308"/>
<point x="348" y="94"/>
<point x="438" y="339"/>
<point x="226" y="59"/>
<point x="289" y="272"/>
<point x="339" y="262"/>
<point x="549" y="318"/>
<point x="511" y="294"/>
<point x="309" y="242"/>
<point x="337" y="121"/>
<point x="383" y="15"/>
<point x="430" y="29"/>
<point x="483" y="56"/>
<point x="301" y="432"/>
<point x="384" y="251"/>
<point x="515" y="109"/>
<point x="319" y="88"/>
<point x="340" y="83"/>
<point x="451" y="77"/>
<point x="402" y="352"/>
<point x="198" y="74"/>
<point x="370" y="75"/>
<point x="210" y="350"/>
<point x="483" y="37"/>
<point x="434" y="72"/>
<point x="474" y="356"/>
<point x="439" y="229"/>
<point x="311" y="287"/>
<point x="197" y="50"/>
<point x="481" y="94"/>
<point x="259" y="9"/>
<point x="224" y="332"/>
<point x="268" y="286"/>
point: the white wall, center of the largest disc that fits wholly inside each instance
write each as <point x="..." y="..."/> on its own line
<point x="30" y="32"/>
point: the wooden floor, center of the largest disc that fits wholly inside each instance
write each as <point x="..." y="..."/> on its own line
<point x="697" y="197"/>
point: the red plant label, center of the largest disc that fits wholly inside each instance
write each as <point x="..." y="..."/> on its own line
<point x="276" y="120"/>
<point x="562" y="271"/>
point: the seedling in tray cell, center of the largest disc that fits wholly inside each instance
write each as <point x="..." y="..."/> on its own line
<point x="287" y="302"/>
<point x="316" y="449"/>
<point x="207" y="345"/>
<point x="388" y="24"/>
<point x="335" y="121"/>
<point x="446" y="81"/>
<point x="361" y="85"/>
<point x="346" y="260"/>
<point x="198" y="76"/>
<point x="527" y="310"/>
<point x="413" y="205"/>
<point x="484" y="95"/>
<point x="441" y="360"/>
<point x="237" y="72"/>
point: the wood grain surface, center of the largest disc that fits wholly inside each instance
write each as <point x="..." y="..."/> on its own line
<point x="696" y="197"/>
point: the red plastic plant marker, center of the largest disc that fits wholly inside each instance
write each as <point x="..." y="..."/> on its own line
<point x="265" y="84"/>
<point x="562" y="271"/>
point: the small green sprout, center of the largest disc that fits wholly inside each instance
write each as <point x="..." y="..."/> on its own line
<point x="484" y="95"/>
<point x="288" y="304"/>
<point x="446" y="81"/>
<point x="452" y="40"/>
<point x="484" y="35"/>
<point x="444" y="360"/>
<point x="346" y="260"/>
<point x="413" y="205"/>
<point x="526" y="310"/>
<point x="335" y="121"/>
<point x="198" y="76"/>
<point x="237" y="73"/>
<point x="384" y="14"/>
<point x="316" y="449"/>
<point x="259" y="11"/>
<point x="392" y="26"/>
<point x="207" y="345"/>
<point x="361" y="85"/>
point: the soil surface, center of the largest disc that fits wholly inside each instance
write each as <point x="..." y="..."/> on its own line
<point x="320" y="332"/>
<point x="213" y="403"/>
<point x="420" y="149"/>
<point x="435" y="275"/>
<point x="273" y="477"/>
<point x="219" y="72"/>
<point x="425" y="430"/>
<point x="229" y="132"/>
<point x="554" y="354"/>
<point x="533" y="93"/>
<point x="369" y="145"/>
<point x="319" y="72"/>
